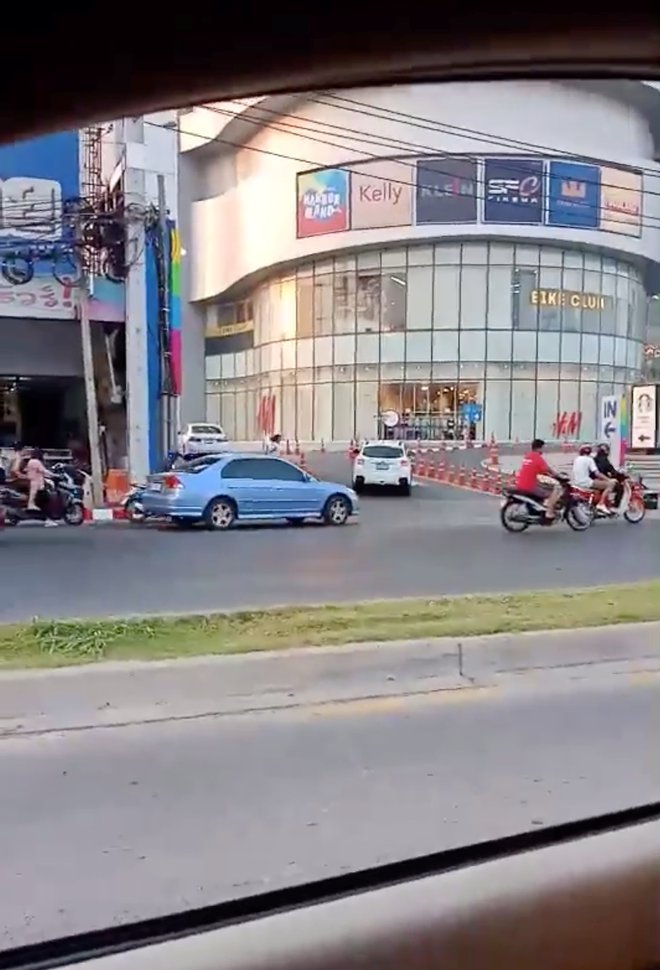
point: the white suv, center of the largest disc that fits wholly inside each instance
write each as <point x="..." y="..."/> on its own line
<point x="382" y="463"/>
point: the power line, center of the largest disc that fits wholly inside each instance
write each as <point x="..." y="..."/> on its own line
<point x="296" y="130"/>
<point x="418" y="121"/>
<point x="397" y="143"/>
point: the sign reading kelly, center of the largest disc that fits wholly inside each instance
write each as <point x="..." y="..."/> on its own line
<point x="513" y="191"/>
<point x="381" y="195"/>
<point x="573" y="195"/>
<point x="446" y="190"/>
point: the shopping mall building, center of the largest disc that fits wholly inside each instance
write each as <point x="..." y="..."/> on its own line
<point x="439" y="260"/>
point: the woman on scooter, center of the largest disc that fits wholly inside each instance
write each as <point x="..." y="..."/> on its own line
<point x="36" y="473"/>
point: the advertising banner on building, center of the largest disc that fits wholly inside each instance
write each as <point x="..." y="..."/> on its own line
<point x="446" y="190"/>
<point x="37" y="178"/>
<point x="381" y="195"/>
<point x="643" y="417"/>
<point x="573" y="195"/>
<point x="621" y="201"/>
<point x="513" y="190"/>
<point x="323" y="198"/>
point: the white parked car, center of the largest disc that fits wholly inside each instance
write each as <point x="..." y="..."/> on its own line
<point x="382" y="463"/>
<point x="202" y="439"/>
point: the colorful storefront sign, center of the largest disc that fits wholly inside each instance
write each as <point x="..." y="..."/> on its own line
<point x="446" y="190"/>
<point x="621" y="201"/>
<point x="323" y="199"/>
<point x="381" y="195"/>
<point x="513" y="191"/>
<point x="573" y="195"/>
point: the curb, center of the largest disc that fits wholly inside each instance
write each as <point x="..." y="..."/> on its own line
<point x="92" y="516"/>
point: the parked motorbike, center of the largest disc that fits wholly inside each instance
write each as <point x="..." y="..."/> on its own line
<point x="631" y="507"/>
<point x="132" y="504"/>
<point x="520" y="510"/>
<point x="63" y="502"/>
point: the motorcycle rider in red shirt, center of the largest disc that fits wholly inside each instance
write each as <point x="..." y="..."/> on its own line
<point x="527" y="479"/>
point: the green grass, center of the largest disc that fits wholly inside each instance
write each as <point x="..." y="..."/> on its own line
<point x="56" y="643"/>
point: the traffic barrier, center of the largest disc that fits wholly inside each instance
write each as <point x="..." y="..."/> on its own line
<point x="297" y="451"/>
<point x="494" y="456"/>
<point x="288" y="447"/>
<point x="442" y="472"/>
<point x="302" y="461"/>
<point x="116" y="485"/>
<point x="461" y="475"/>
<point x="474" y="479"/>
<point x="322" y="446"/>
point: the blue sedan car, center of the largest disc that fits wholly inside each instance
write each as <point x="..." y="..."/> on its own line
<point x="222" y="489"/>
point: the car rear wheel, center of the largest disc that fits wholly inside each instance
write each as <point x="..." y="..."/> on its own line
<point x="337" y="510"/>
<point x="358" y="484"/>
<point x="404" y="487"/>
<point x="220" y="514"/>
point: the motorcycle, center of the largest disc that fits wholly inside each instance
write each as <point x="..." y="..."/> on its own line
<point x="132" y="504"/>
<point x="631" y="507"/>
<point x="64" y="502"/>
<point x="519" y="510"/>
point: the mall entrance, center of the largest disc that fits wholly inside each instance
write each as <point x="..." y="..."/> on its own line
<point x="433" y="411"/>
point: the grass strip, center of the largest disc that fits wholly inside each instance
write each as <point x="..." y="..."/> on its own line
<point x="42" y="643"/>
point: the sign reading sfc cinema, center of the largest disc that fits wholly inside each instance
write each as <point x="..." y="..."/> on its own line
<point x="513" y="191"/>
<point x="322" y="202"/>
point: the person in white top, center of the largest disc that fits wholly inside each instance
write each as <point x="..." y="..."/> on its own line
<point x="586" y="475"/>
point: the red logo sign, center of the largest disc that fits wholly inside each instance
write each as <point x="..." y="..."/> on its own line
<point x="567" y="424"/>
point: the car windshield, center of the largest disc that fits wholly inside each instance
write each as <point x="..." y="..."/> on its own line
<point x="382" y="451"/>
<point x="205" y="429"/>
<point x="368" y="627"/>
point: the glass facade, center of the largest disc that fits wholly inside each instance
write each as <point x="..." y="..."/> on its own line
<point x="457" y="339"/>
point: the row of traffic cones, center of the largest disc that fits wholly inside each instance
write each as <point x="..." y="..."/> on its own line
<point x="491" y="480"/>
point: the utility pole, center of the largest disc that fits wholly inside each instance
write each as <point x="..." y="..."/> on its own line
<point x="166" y="390"/>
<point x="90" y="390"/>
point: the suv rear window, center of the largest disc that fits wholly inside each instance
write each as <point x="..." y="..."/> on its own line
<point x="382" y="451"/>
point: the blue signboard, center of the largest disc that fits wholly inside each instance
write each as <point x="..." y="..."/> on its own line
<point x="471" y="412"/>
<point x="36" y="177"/>
<point x="573" y="195"/>
<point x="513" y="190"/>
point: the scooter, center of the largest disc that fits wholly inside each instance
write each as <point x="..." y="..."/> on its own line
<point x="64" y="503"/>
<point x="132" y="504"/>
<point x="631" y="507"/>
<point x="520" y="510"/>
<point x="132" y="501"/>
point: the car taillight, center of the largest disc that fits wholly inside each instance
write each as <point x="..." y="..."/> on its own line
<point x="172" y="482"/>
<point x="405" y="463"/>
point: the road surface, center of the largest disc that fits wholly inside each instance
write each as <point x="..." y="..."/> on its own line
<point x="112" y="824"/>
<point x="440" y="541"/>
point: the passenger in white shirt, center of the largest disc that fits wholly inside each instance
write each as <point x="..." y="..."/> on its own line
<point x="586" y="475"/>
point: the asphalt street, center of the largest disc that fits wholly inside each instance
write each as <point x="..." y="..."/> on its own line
<point x="440" y="541"/>
<point x="108" y="825"/>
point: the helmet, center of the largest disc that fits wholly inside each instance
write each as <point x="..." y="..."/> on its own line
<point x="585" y="449"/>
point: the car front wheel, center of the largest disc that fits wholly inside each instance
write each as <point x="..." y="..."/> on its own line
<point x="337" y="510"/>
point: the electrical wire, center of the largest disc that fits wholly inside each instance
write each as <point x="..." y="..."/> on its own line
<point x="397" y="143"/>
<point x="349" y="167"/>
<point x="418" y="121"/>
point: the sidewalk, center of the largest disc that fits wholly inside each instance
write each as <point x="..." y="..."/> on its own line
<point x="112" y="694"/>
